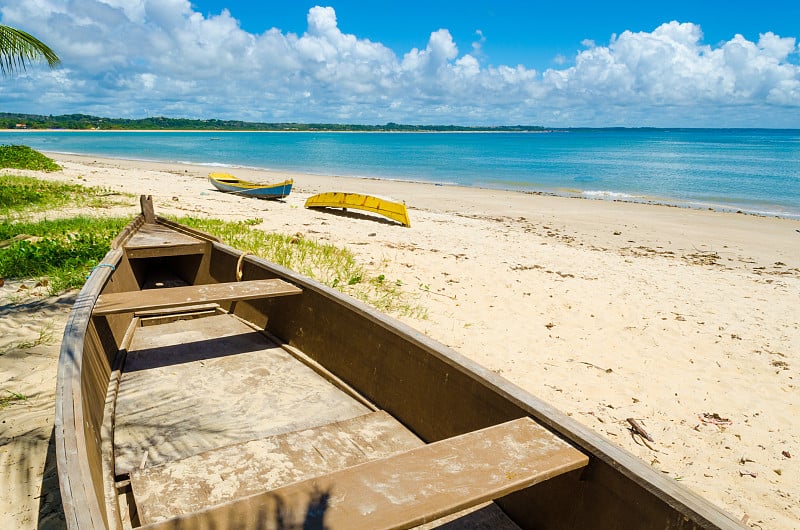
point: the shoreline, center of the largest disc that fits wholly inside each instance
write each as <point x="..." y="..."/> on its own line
<point x="688" y="190"/>
<point x="589" y="195"/>
<point x="312" y="131"/>
<point x="605" y="310"/>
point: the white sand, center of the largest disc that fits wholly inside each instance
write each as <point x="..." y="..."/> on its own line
<point x="606" y="310"/>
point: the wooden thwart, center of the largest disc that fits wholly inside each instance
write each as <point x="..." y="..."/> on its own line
<point x="173" y="297"/>
<point x="194" y="483"/>
<point x="407" y="489"/>
<point x="154" y="240"/>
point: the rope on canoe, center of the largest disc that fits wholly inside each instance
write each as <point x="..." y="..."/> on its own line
<point x="239" y="266"/>
<point x="110" y="266"/>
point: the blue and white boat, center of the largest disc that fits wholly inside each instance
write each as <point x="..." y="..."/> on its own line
<point x="230" y="184"/>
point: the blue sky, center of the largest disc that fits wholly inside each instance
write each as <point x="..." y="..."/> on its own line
<point x="532" y="33"/>
<point x="577" y="63"/>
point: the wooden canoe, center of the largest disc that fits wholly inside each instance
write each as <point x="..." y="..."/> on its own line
<point x="230" y="184"/>
<point x="188" y="399"/>
<point x="393" y="210"/>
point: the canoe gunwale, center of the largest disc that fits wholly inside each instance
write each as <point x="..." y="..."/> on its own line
<point x="72" y="456"/>
<point x="79" y="499"/>
<point x="128" y="231"/>
<point x="199" y="234"/>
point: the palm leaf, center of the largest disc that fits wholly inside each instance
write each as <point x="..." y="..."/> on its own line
<point x="17" y="48"/>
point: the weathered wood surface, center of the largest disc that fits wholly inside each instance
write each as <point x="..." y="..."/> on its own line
<point x="152" y="240"/>
<point x="195" y="385"/>
<point x="80" y="399"/>
<point x="407" y="489"/>
<point x="150" y="299"/>
<point x="435" y="391"/>
<point x="244" y="469"/>
<point x="146" y="205"/>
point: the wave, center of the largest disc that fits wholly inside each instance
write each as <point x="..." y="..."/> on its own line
<point x="750" y="209"/>
<point x="612" y="195"/>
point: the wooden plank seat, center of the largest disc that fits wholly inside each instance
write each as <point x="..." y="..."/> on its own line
<point x="406" y="489"/>
<point x="157" y="240"/>
<point x="174" y="297"/>
<point x="239" y="470"/>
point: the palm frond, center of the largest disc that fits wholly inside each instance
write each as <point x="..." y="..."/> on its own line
<point x="18" y="48"/>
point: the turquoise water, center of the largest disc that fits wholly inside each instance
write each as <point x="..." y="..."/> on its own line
<point x="756" y="171"/>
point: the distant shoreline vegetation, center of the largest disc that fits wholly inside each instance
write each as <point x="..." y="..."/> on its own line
<point x="83" y="122"/>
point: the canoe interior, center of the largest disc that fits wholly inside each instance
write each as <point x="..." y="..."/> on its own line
<point x="240" y="406"/>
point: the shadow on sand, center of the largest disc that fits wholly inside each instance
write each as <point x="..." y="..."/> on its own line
<point x="51" y="510"/>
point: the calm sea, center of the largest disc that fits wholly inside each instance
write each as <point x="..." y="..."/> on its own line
<point x="756" y="171"/>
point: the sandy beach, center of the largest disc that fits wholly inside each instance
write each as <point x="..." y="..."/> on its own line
<point x="686" y="320"/>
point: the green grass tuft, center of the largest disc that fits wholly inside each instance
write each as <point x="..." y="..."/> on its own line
<point x="63" y="250"/>
<point x="334" y="266"/>
<point x="20" y="194"/>
<point x="8" y="400"/>
<point x="23" y="157"/>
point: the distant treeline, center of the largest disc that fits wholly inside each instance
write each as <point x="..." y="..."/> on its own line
<point x="86" y="122"/>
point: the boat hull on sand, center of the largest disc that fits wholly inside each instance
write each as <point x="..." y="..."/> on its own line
<point x="390" y="209"/>
<point x="230" y="184"/>
<point x="189" y="399"/>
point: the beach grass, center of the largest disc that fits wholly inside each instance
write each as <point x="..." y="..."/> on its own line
<point x="21" y="195"/>
<point x="23" y="157"/>
<point x="11" y="398"/>
<point x="60" y="252"/>
<point x="329" y="264"/>
<point x="44" y="337"/>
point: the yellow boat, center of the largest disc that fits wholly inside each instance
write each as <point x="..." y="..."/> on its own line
<point x="395" y="211"/>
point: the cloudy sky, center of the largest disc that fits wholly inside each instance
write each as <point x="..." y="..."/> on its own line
<point x="494" y="62"/>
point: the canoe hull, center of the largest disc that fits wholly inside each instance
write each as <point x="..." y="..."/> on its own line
<point x="393" y="210"/>
<point x="230" y="184"/>
<point x="431" y="390"/>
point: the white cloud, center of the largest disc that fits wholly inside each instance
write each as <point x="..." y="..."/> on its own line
<point x="121" y="57"/>
<point x="477" y="46"/>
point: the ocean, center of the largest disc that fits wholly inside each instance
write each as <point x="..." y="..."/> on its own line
<point x="751" y="170"/>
